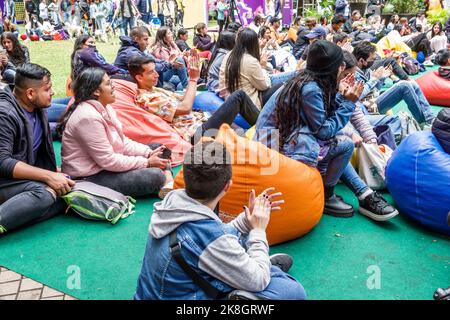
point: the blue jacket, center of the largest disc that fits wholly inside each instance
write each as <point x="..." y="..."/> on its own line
<point x="315" y="126"/>
<point x="215" y="250"/>
<point x="129" y="49"/>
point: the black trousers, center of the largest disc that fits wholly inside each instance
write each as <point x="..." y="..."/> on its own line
<point x="237" y="103"/>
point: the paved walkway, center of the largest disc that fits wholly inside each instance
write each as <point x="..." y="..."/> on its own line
<point x="14" y="286"/>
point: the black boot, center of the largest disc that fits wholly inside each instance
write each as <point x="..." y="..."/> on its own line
<point x="335" y="205"/>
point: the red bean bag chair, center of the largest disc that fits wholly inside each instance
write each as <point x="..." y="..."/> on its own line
<point x="144" y="127"/>
<point x="23" y="36"/>
<point x="435" y="88"/>
<point x="34" y="37"/>
<point x="257" y="167"/>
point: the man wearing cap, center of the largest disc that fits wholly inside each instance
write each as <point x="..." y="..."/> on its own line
<point x="318" y="33"/>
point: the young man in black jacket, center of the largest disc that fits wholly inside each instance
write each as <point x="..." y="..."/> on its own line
<point x="30" y="186"/>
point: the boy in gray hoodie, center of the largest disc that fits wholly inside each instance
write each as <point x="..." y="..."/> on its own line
<point x="230" y="257"/>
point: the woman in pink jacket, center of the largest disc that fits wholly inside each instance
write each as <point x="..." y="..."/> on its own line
<point x="166" y="49"/>
<point x="95" y="149"/>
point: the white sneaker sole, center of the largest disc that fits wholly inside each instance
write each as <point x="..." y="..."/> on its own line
<point x="377" y="217"/>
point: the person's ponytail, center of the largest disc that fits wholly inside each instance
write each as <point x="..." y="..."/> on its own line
<point x="83" y="87"/>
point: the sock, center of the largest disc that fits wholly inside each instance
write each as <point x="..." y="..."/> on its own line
<point x="365" y="194"/>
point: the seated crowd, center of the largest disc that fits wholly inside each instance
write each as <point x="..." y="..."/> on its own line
<point x="319" y="85"/>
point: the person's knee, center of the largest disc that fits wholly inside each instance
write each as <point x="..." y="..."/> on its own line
<point x="43" y="193"/>
<point x="346" y="144"/>
<point x="389" y="61"/>
<point x="155" y="177"/>
<point x="240" y="94"/>
<point x="404" y="86"/>
<point x="9" y="76"/>
<point x="296" y="292"/>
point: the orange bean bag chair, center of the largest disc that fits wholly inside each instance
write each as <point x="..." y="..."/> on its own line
<point x="257" y="167"/>
<point x="435" y="88"/>
<point x="141" y="126"/>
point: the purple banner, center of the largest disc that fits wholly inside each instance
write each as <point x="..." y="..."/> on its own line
<point x="288" y="11"/>
<point x="247" y="9"/>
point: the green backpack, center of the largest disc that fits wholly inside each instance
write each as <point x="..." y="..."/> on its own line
<point x="95" y="202"/>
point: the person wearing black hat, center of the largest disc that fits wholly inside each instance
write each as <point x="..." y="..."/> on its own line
<point x="309" y="112"/>
<point x="316" y="34"/>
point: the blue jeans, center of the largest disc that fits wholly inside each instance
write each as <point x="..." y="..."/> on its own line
<point x="181" y="74"/>
<point x="26" y="202"/>
<point x="67" y="16"/>
<point x="55" y="113"/>
<point x="146" y="17"/>
<point x="57" y="109"/>
<point x="36" y="31"/>
<point x="9" y="75"/>
<point x="333" y="165"/>
<point x="393" y="121"/>
<point x="352" y="180"/>
<point x="127" y="23"/>
<point x="411" y="93"/>
<point x="282" y="287"/>
<point x="281" y="78"/>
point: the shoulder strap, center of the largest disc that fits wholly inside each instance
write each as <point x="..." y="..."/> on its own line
<point x="175" y="251"/>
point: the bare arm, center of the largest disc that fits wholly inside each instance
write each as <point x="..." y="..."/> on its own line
<point x="187" y="102"/>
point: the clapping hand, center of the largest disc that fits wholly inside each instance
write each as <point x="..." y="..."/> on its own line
<point x="275" y="205"/>
<point x="347" y="82"/>
<point x="352" y="93"/>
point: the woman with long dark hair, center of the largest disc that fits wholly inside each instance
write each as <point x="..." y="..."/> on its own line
<point x="85" y="55"/>
<point x="243" y="69"/>
<point x="278" y="57"/>
<point x="95" y="149"/>
<point x="224" y="44"/>
<point x="12" y="56"/>
<point x="308" y="113"/>
<point x="166" y="49"/>
<point x="33" y="27"/>
<point x="17" y="53"/>
<point x="437" y="37"/>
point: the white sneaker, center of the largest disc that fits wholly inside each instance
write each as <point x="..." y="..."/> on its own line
<point x="165" y="190"/>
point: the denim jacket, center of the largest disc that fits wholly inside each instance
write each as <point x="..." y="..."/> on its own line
<point x="227" y="255"/>
<point x="315" y="127"/>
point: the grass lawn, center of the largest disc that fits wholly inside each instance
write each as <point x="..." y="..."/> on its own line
<point x="55" y="56"/>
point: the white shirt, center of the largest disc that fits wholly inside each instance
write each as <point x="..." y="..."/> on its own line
<point x="43" y="11"/>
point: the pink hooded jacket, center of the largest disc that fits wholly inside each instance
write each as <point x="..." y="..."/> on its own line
<point x="93" y="141"/>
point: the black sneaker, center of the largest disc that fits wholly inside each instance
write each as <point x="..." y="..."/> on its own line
<point x="376" y="207"/>
<point x="282" y="260"/>
<point x="336" y="207"/>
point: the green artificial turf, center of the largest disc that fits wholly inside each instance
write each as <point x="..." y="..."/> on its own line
<point x="336" y="260"/>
